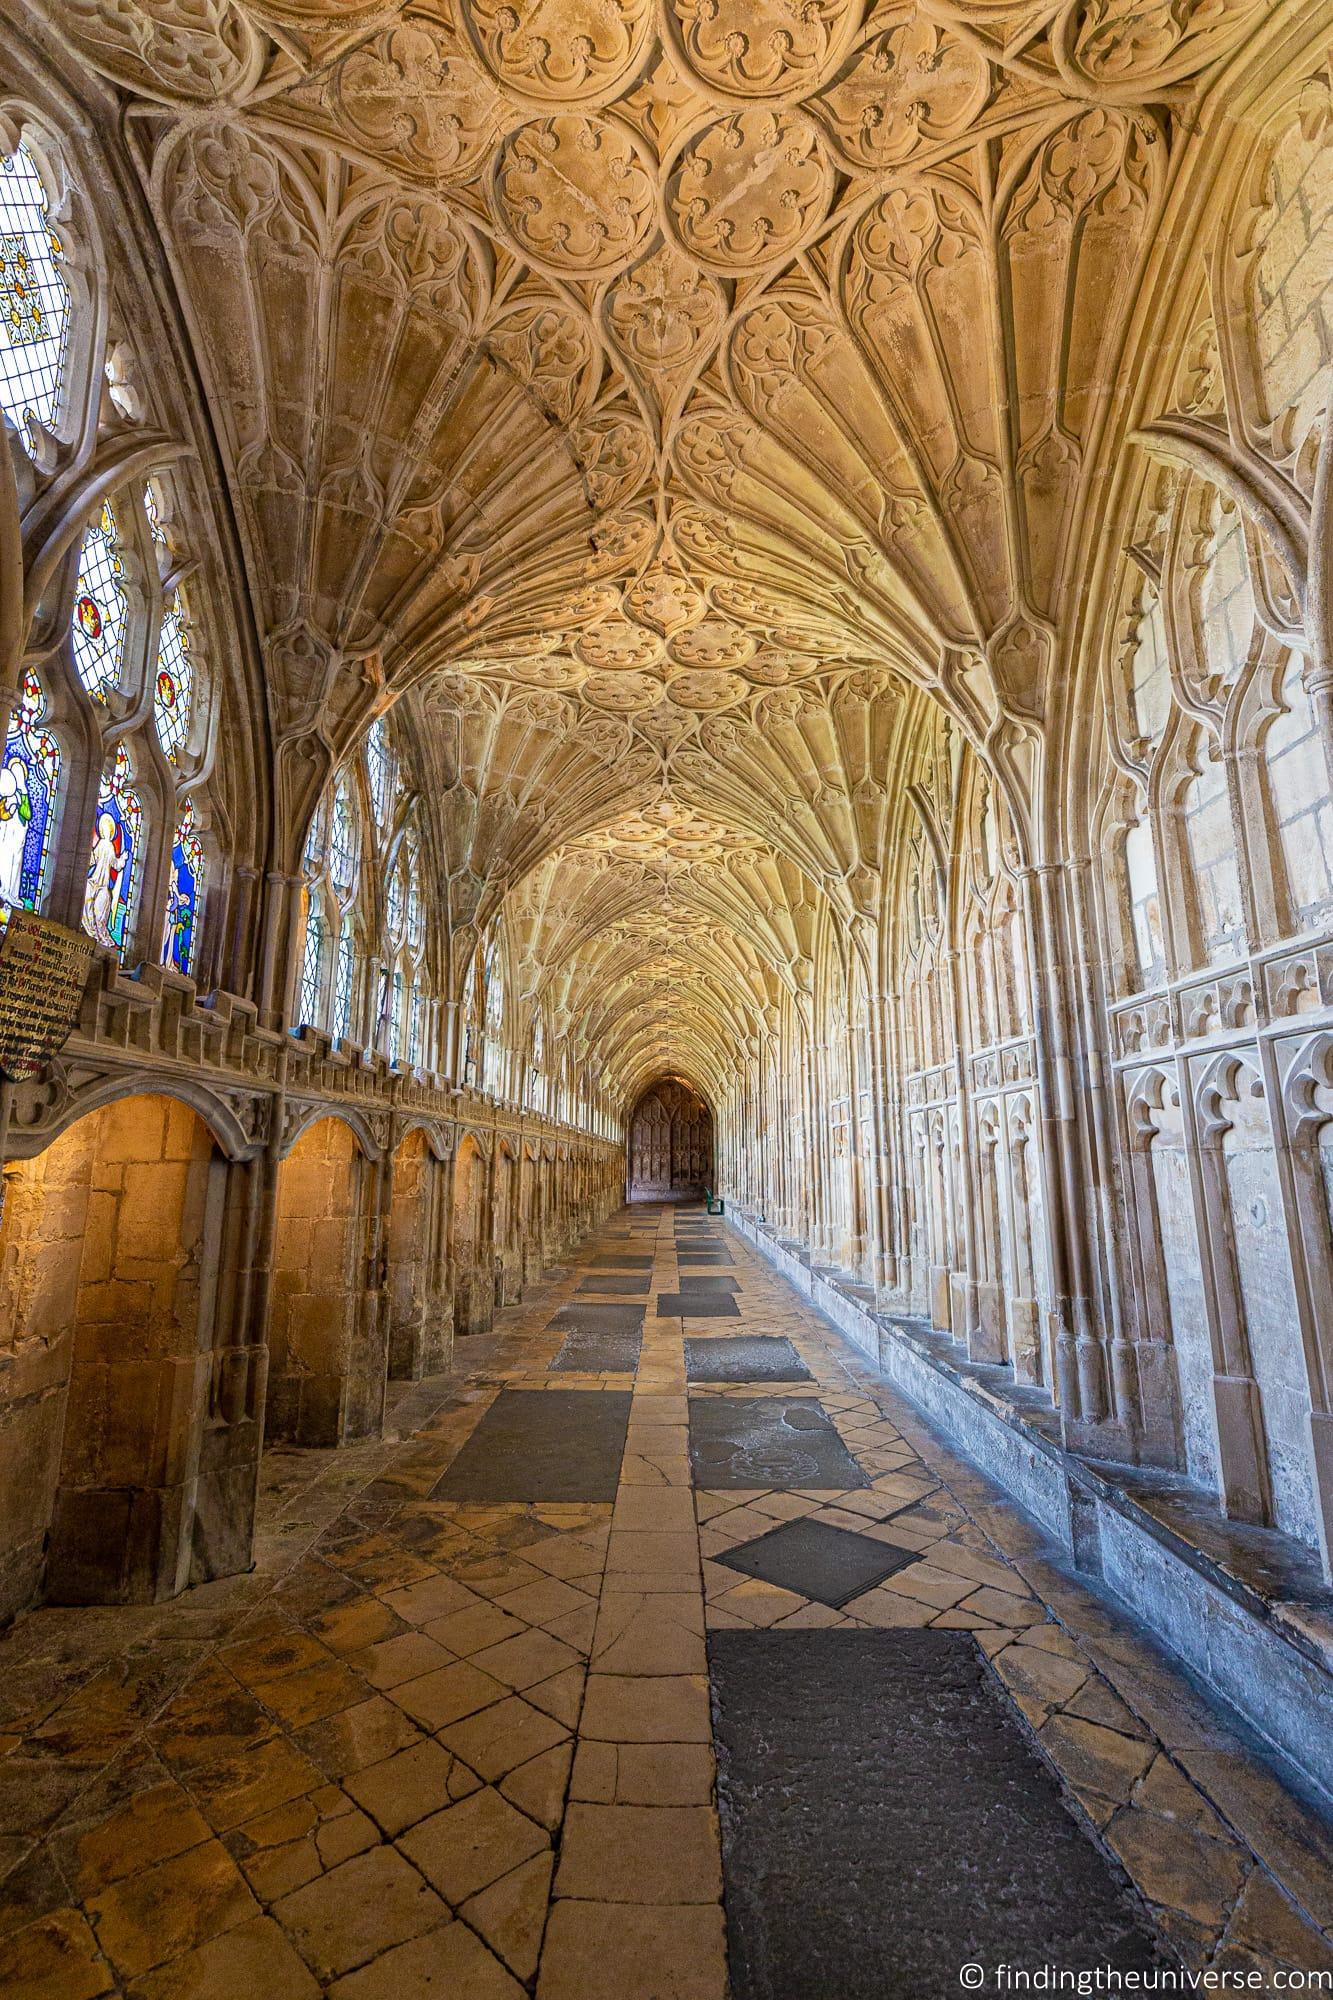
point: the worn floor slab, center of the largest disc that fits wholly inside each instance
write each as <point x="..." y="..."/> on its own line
<point x="697" y="1305"/>
<point x="599" y="1351"/>
<point x="745" y="1357"/>
<point x="828" y="1565"/>
<point x="883" y="1813"/>
<point x="551" y="1444"/>
<point x="598" y="1316"/>
<point x="768" y="1441"/>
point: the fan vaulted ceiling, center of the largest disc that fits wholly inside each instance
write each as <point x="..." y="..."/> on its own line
<point x="669" y="399"/>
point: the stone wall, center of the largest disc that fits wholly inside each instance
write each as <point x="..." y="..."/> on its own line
<point x="174" y="1287"/>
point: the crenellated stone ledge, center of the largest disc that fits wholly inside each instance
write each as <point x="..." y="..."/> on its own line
<point x="1244" y="1609"/>
<point x="150" y="1029"/>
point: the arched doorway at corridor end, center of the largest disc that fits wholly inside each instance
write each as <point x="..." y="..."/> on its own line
<point x="670" y="1149"/>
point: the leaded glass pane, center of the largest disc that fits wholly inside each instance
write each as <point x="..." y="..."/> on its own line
<point x="152" y="508"/>
<point x="185" y="888"/>
<point x="312" y="966"/>
<point x="115" y="860"/>
<point x="416" y="916"/>
<point x="396" y="1018"/>
<point x="382" y="770"/>
<point x="100" y="606"/>
<point x="343" y="844"/>
<point x="344" y="983"/>
<point x="314" y="840"/>
<point x="175" y="680"/>
<point x="417" y="1030"/>
<point x="395" y="904"/>
<point x="34" y="301"/>
<point x="29" y="776"/>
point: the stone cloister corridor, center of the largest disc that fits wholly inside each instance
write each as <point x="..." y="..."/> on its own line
<point x="666" y="997"/>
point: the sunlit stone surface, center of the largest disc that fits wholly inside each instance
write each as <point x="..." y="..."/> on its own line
<point x="607" y="603"/>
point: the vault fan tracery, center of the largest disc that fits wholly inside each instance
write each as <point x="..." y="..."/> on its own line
<point x="692" y="390"/>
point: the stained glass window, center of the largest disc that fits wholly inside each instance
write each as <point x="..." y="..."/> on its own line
<point x="382" y="770"/>
<point x="312" y="966"/>
<point x="416" y="915"/>
<point x="470" y="1024"/>
<point x="34" y="301"/>
<point x="343" y="846"/>
<point x="185" y="888"/>
<point x="153" y="509"/>
<point x="98" y="623"/>
<point x="396" y="1018"/>
<point x="116" y="858"/>
<point x="416" y="1038"/>
<point x="344" y="981"/>
<point x="492" y="1054"/>
<point x="538" y="1056"/>
<point x="314" y="840"/>
<point x="395" y="904"/>
<point x="29" y="775"/>
<point x="175" y="680"/>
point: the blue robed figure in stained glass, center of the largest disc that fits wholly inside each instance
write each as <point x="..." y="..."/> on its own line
<point x="183" y="891"/>
<point x="29" y="773"/>
<point x="113" y="864"/>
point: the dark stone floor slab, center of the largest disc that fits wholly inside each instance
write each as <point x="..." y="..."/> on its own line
<point x="703" y="1257"/>
<point x="628" y="1261"/>
<point x="744" y="1357"/>
<point x="697" y="1305"/>
<point x="543" y="1444"/>
<point x="831" y="1565"/>
<point x="707" y="1281"/>
<point x="627" y="1281"/>
<point x="600" y="1351"/>
<point x="598" y="1316"/>
<point x="885" y="1823"/>
<point x="768" y="1441"/>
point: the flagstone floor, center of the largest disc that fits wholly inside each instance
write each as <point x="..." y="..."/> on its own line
<point x="447" y="1745"/>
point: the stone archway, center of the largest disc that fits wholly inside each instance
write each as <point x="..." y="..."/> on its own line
<point x="420" y="1309"/>
<point x="110" y="1252"/>
<point x="670" y="1143"/>
<point x="328" y="1336"/>
<point x="473" y="1281"/>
